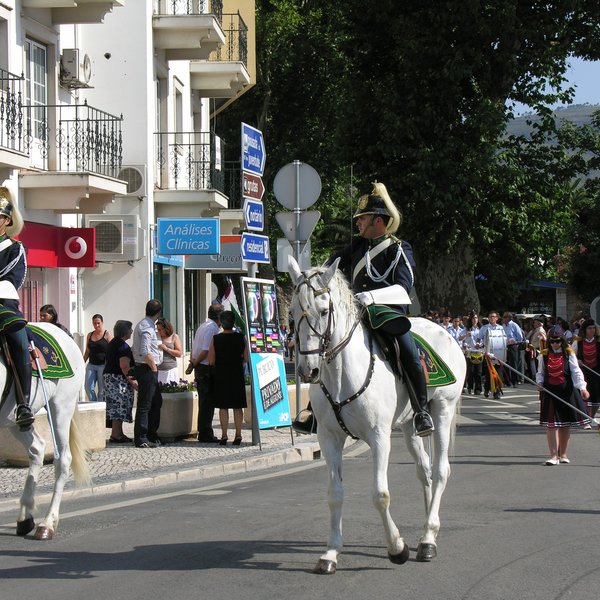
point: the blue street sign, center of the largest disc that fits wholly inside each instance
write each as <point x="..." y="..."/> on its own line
<point x="254" y="215"/>
<point x="253" y="150"/>
<point x="188" y="236"/>
<point x="255" y="248"/>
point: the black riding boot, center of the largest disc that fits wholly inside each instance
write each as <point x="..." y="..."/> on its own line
<point x="17" y="342"/>
<point x="414" y="371"/>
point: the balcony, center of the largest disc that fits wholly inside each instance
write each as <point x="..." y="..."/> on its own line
<point x="225" y="73"/>
<point x="66" y="12"/>
<point x="12" y="125"/>
<point x="188" y="174"/>
<point x="75" y="155"/>
<point x="187" y="29"/>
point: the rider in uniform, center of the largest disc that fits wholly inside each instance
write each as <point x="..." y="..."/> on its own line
<point x="13" y="268"/>
<point x="381" y="271"/>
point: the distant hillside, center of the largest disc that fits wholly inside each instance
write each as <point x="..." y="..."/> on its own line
<point x="580" y="114"/>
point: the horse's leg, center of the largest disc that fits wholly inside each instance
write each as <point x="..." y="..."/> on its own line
<point x="331" y="447"/>
<point x="379" y="441"/>
<point x="427" y="548"/>
<point x="61" y="421"/>
<point x="35" y="445"/>
<point x="421" y="458"/>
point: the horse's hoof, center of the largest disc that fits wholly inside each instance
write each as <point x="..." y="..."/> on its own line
<point x="426" y="552"/>
<point x="325" y="567"/>
<point x="400" y="559"/>
<point x="43" y="533"/>
<point x="24" y="527"/>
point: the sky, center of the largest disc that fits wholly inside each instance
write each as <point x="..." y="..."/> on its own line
<point x="586" y="76"/>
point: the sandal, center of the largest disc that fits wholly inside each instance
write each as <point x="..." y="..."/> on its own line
<point x="223" y="442"/>
<point x="237" y="441"/>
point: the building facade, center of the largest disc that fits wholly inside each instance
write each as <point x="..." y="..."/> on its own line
<point x="107" y="123"/>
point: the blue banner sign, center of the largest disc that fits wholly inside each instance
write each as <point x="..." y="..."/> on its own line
<point x="188" y="236"/>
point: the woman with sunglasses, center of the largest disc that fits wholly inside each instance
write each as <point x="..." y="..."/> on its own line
<point x="559" y="373"/>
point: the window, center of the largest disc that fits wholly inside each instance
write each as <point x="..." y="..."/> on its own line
<point x="36" y="96"/>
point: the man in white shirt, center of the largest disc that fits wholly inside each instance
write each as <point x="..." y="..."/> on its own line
<point x="147" y="356"/>
<point x="202" y="374"/>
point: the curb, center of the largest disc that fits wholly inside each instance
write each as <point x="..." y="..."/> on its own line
<point x="276" y="458"/>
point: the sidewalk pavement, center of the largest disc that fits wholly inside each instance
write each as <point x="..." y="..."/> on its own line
<point x="122" y="467"/>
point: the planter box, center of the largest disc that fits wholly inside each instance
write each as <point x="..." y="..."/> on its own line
<point x="304" y="387"/>
<point x="91" y="421"/>
<point x="178" y="415"/>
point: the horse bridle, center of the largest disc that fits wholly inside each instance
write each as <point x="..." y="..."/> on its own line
<point x="329" y="354"/>
<point x="324" y="338"/>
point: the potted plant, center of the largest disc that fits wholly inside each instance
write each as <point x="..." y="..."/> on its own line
<point x="179" y="412"/>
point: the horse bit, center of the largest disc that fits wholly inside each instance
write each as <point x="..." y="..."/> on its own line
<point x="329" y="354"/>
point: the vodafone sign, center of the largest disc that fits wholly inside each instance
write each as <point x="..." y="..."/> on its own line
<point x="76" y="247"/>
<point x="51" y="247"/>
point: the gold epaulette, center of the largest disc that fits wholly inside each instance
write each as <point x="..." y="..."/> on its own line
<point x="544" y="352"/>
<point x="577" y="338"/>
<point x="570" y="350"/>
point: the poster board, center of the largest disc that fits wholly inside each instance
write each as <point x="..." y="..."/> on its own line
<point x="267" y="368"/>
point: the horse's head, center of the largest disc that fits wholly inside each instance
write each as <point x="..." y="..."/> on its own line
<point x="313" y="310"/>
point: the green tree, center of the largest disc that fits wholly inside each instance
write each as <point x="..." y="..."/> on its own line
<point x="417" y="95"/>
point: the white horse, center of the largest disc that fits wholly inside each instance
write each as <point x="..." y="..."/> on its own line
<point x="62" y="396"/>
<point x="335" y="354"/>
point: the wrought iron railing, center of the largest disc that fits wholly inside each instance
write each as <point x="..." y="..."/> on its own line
<point x="189" y="161"/>
<point x="12" y="125"/>
<point x="74" y="138"/>
<point x="235" y="47"/>
<point x="189" y="7"/>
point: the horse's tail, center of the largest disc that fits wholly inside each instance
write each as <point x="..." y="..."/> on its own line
<point x="79" y="453"/>
<point x="454" y="426"/>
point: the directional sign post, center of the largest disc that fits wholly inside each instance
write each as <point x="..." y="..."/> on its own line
<point x="253" y="150"/>
<point x="255" y="248"/>
<point x="254" y="215"/>
<point x="252" y="186"/>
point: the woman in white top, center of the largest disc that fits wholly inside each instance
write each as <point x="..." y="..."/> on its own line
<point x="170" y="344"/>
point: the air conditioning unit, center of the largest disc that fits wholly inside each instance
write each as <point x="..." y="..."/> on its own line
<point x="135" y="176"/>
<point x="119" y="238"/>
<point x="75" y="70"/>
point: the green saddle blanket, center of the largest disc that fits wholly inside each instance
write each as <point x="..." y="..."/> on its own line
<point x="57" y="364"/>
<point x="438" y="372"/>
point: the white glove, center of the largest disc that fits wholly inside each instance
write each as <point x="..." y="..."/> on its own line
<point x="365" y="298"/>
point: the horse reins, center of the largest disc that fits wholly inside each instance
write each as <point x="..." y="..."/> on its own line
<point x="329" y="354"/>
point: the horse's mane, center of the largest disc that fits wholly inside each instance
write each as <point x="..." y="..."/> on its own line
<point x="342" y="296"/>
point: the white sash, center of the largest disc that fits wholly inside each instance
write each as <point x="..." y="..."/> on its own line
<point x="360" y="265"/>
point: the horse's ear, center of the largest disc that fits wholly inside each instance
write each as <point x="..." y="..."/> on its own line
<point x="294" y="270"/>
<point x="328" y="275"/>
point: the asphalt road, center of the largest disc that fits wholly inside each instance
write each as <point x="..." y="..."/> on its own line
<point x="511" y="528"/>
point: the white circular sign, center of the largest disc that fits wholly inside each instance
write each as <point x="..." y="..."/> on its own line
<point x="295" y="177"/>
<point x="75" y="247"/>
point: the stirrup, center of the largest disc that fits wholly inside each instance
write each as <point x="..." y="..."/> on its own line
<point x="423" y="424"/>
<point x="309" y="425"/>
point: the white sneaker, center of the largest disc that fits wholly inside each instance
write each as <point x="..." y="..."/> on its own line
<point x="552" y="461"/>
